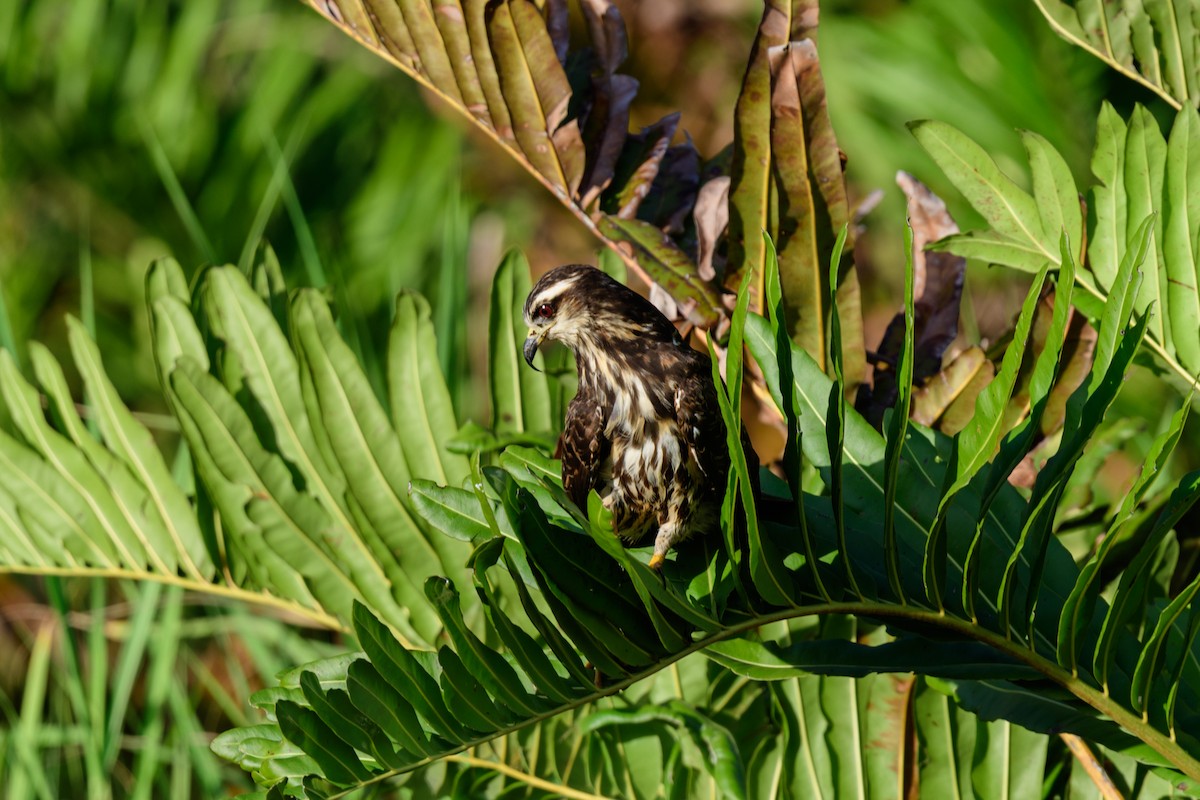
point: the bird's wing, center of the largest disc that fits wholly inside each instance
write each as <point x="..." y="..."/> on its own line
<point x="583" y="447"/>
<point x="699" y="420"/>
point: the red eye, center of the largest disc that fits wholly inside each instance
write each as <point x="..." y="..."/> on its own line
<point x="544" y="311"/>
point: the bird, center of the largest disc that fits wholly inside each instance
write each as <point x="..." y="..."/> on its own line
<point x="644" y="428"/>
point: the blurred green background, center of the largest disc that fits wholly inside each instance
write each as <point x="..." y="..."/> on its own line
<point x="198" y="129"/>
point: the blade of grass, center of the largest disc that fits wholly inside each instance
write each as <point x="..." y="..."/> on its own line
<point x="279" y="174"/>
<point x="128" y="665"/>
<point x="31" y="780"/>
<point x="163" y="649"/>
<point x="73" y="682"/>
<point x="175" y="191"/>
<point x="97" y="678"/>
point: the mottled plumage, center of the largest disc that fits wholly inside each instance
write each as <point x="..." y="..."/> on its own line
<point x="644" y="429"/>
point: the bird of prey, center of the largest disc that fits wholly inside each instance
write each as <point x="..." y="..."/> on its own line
<point x="644" y="429"/>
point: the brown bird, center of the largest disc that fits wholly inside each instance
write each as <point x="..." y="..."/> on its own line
<point x="644" y="429"/>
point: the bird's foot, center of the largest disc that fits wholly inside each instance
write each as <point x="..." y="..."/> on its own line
<point x="668" y="534"/>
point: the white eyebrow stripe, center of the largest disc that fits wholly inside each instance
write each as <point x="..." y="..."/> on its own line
<point x="553" y="291"/>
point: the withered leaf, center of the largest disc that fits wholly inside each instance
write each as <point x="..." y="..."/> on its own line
<point x="558" y="25"/>
<point x="607" y="30"/>
<point x="750" y="170"/>
<point x="672" y="195"/>
<point x="637" y="167"/>
<point x="605" y="133"/>
<point x="711" y="215"/>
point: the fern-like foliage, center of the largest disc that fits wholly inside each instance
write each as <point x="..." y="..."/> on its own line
<point x="1149" y="41"/>
<point x="1142" y="225"/>
<point x="918" y="531"/>
<point x="301" y="474"/>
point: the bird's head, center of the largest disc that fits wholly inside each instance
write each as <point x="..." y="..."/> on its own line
<point x="589" y="312"/>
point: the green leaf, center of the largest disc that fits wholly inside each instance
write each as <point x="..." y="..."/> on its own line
<point x="454" y="512"/>
<point x="399" y="667"/>
<point x="835" y="424"/>
<point x="304" y="728"/>
<point x="897" y="426"/>
<point x="994" y="248"/>
<point x="773" y="584"/>
<point x="1081" y="605"/>
<point x="720" y="752"/>
<point x="421" y="410"/>
<point x="485" y="664"/>
<point x="1145" y="159"/>
<point x="1181" y="238"/>
<point x="1054" y="192"/>
<point x="61" y="470"/>
<point x="1129" y="598"/>
<point x="130" y="441"/>
<point x="368" y="452"/>
<point x="390" y="710"/>
<point x="766" y="661"/>
<point x="129" y="497"/>
<point x="520" y="396"/>
<point x="1009" y="210"/>
<point x="1108" y="199"/>
<point x="1152" y="43"/>
<point x="975" y="444"/>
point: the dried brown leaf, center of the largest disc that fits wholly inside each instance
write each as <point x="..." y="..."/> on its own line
<point x="605" y="133"/>
<point x="711" y="215"/>
<point x="485" y="69"/>
<point x="452" y="24"/>
<point x="607" y="30"/>
<point x="379" y="23"/>
<point x="672" y="195"/>
<point x="802" y="273"/>
<point x="825" y="158"/>
<point x="805" y="14"/>
<point x="537" y="93"/>
<point x="435" y="61"/>
<point x="558" y="25"/>
<point x="750" y="174"/>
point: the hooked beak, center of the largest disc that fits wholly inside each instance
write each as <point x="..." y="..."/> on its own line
<point x="531" y="348"/>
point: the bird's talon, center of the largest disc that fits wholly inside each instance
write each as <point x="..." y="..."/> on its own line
<point x="656" y="561"/>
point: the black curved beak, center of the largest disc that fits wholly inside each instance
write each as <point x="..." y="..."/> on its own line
<point x="531" y="348"/>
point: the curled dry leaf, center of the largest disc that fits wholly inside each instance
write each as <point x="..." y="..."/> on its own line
<point x="711" y="215"/>
<point x="672" y="195"/>
<point x="558" y="25"/>
<point x="607" y="30"/>
<point x="502" y="64"/>
<point x="604" y="134"/>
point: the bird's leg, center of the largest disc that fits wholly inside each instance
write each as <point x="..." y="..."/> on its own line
<point x="668" y="534"/>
